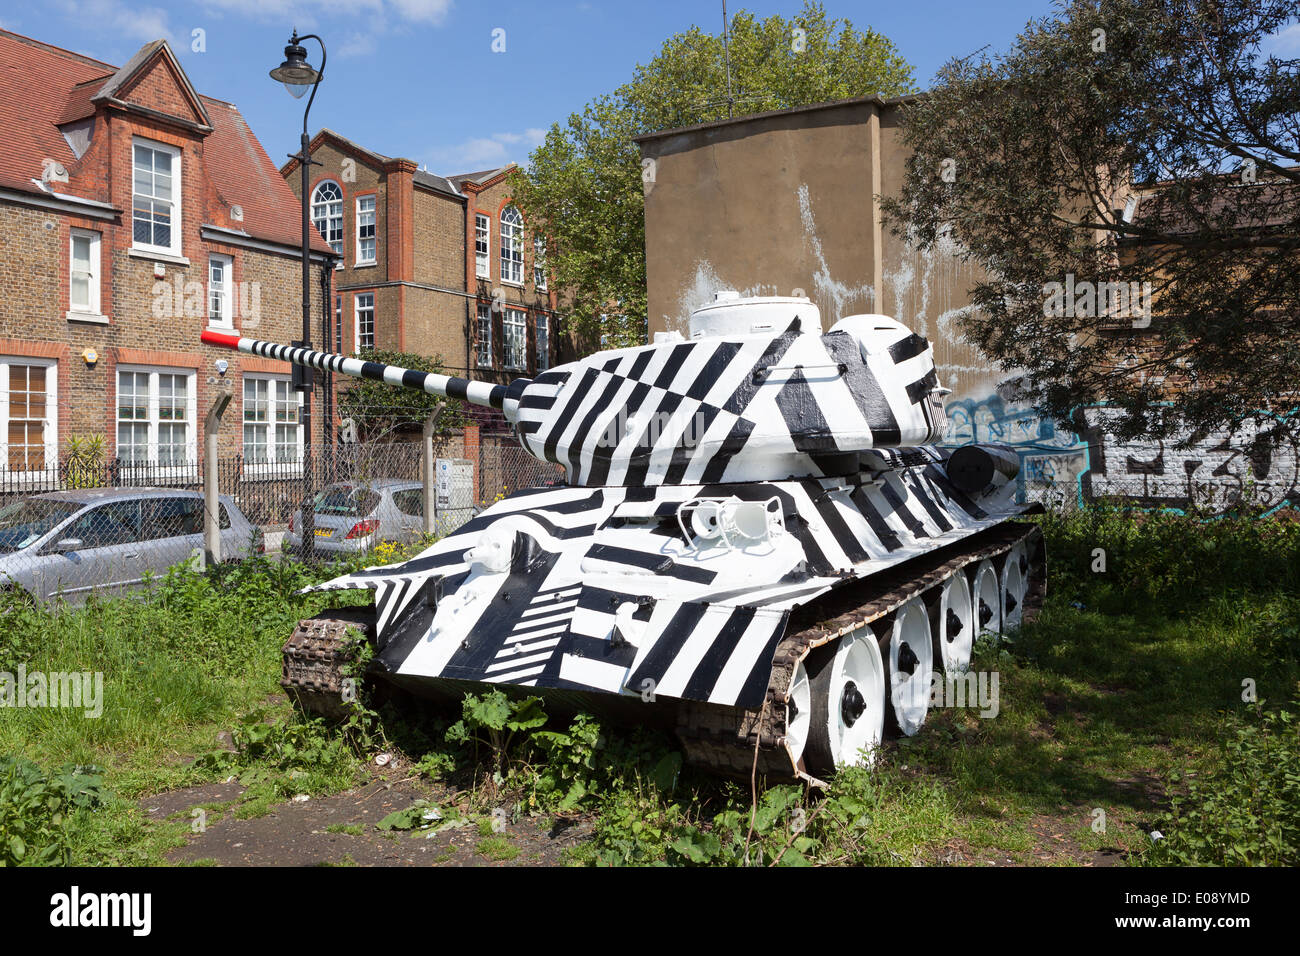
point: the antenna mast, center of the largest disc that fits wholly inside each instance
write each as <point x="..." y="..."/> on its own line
<point x="726" y="57"/>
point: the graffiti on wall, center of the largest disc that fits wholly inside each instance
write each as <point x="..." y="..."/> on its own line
<point x="1062" y="469"/>
<point x="1053" y="460"/>
<point x="1217" y="472"/>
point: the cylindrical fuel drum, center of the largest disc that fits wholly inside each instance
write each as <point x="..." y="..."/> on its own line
<point x="980" y="469"/>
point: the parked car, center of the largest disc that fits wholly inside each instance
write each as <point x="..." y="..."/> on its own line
<point x="357" y="515"/>
<point x="69" y="543"/>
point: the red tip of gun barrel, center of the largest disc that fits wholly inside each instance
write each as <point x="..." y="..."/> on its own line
<point x="219" y="338"/>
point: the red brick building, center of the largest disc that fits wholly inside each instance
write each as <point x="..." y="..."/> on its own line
<point x="134" y="213"/>
<point x="440" y="266"/>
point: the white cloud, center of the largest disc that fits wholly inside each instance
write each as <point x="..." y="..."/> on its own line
<point x="1285" y="43"/>
<point x="115" y="18"/>
<point x="358" y="44"/>
<point x="307" y="13"/>
<point x="485" y="152"/>
<point x="421" y="11"/>
<point x="380" y="16"/>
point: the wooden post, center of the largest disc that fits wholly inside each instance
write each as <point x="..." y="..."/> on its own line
<point x="428" y="477"/>
<point x="211" y="508"/>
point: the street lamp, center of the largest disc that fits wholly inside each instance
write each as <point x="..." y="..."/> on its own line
<point x="297" y="75"/>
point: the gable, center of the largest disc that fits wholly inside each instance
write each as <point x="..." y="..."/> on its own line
<point x="159" y="88"/>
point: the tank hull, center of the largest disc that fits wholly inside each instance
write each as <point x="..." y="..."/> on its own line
<point x="621" y="601"/>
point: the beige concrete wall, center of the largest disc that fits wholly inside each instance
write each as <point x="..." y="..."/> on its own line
<point x="764" y="207"/>
<point x="778" y="203"/>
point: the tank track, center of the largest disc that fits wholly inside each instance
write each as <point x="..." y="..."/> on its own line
<point x="739" y="742"/>
<point x="313" y="658"/>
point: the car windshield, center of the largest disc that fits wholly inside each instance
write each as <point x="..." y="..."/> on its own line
<point x="24" y="522"/>
<point x="346" y="501"/>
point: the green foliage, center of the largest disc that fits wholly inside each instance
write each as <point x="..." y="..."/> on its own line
<point x="1025" y="164"/>
<point x="284" y="758"/>
<point x="425" y="815"/>
<point x="1244" y="812"/>
<point x="36" y="806"/>
<point x="571" y="763"/>
<point x="85" y="461"/>
<point x="584" y="186"/>
<point x="379" y="409"/>
<point x="493" y="720"/>
<point x="1167" y="560"/>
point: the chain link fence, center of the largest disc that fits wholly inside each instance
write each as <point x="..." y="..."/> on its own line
<point x="87" y="525"/>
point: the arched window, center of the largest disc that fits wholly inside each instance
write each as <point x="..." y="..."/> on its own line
<point x="327" y="213"/>
<point x="512" y="246"/>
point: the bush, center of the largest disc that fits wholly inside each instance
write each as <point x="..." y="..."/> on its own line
<point x="1246" y="812"/>
<point x="35" y="807"/>
<point x="1168" y="561"/>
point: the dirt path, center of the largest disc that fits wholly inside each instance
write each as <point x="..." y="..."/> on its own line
<point x="340" y="830"/>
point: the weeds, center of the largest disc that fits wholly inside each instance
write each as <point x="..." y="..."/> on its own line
<point x="1125" y="695"/>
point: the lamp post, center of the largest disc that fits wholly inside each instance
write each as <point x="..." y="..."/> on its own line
<point x="297" y="75"/>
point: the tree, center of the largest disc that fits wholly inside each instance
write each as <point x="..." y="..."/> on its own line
<point x="583" y="187"/>
<point x="1120" y="147"/>
<point x="378" y="409"/>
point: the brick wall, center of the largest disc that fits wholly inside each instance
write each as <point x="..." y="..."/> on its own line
<point x="149" y="319"/>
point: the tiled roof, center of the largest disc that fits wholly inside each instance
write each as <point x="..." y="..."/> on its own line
<point x="42" y="87"/>
<point x="422" y="177"/>
<point x="480" y="177"/>
<point x="35" y="86"/>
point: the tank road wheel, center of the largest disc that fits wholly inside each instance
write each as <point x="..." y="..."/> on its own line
<point x="1013" y="589"/>
<point x="911" y="661"/>
<point x="847" y="684"/>
<point x="798" y="713"/>
<point x="986" y="602"/>
<point x="954" y="625"/>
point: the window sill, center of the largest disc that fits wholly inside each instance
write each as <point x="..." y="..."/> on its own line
<point x="270" y="470"/>
<point x="135" y="252"/>
<point x="94" y="318"/>
<point x="513" y="285"/>
<point x="483" y="275"/>
<point x="364" y="265"/>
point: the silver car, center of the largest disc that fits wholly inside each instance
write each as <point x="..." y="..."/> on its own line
<point x="104" y="540"/>
<point x="357" y="515"/>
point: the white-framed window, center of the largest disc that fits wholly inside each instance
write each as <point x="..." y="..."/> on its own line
<point x="543" y="342"/>
<point x="156" y="412"/>
<point x="83" y="272"/>
<point x="155" y="197"/>
<point x="483" y="341"/>
<point x="365" y="230"/>
<point x="512" y="246"/>
<point x="29" y="440"/>
<point x="482" y="245"/>
<point x="365" y="331"/>
<point x="220" y="284"/>
<point x="272" y="420"/>
<point x="539" y="263"/>
<point x="327" y="214"/>
<point x="514" y="327"/>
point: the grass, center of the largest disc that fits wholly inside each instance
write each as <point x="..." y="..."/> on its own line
<point x="496" y="848"/>
<point x="351" y="829"/>
<point x="1115" y="701"/>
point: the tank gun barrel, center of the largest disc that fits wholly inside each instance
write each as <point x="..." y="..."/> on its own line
<point x="501" y="397"/>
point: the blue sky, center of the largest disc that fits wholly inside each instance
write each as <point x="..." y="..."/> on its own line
<point x="419" y="78"/>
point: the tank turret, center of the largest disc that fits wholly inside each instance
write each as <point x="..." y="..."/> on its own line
<point x="757" y="393"/>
